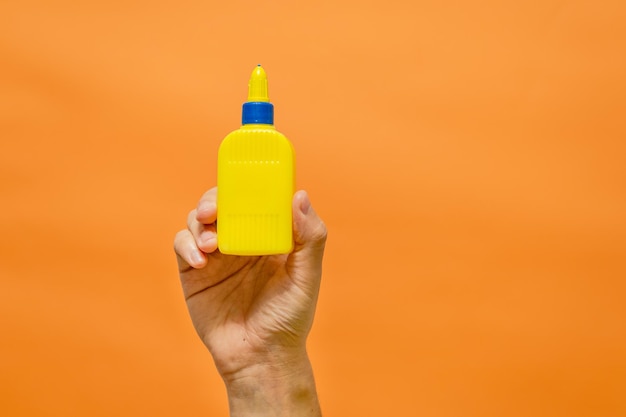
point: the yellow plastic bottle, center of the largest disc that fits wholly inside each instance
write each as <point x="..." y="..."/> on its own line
<point x="255" y="180"/>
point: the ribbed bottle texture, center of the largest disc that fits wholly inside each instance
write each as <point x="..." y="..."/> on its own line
<point x="254" y="147"/>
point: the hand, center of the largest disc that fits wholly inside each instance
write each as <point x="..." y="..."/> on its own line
<point x="254" y="312"/>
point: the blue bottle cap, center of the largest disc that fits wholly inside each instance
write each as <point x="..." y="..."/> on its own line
<point x="257" y="112"/>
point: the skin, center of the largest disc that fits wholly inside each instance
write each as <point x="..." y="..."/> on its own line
<point x="254" y="313"/>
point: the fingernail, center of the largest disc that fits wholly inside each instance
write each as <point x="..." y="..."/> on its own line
<point x="205" y="206"/>
<point x="196" y="257"/>
<point x="305" y="205"/>
<point x="207" y="236"/>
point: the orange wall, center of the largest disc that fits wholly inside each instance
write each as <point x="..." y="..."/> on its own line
<point x="468" y="158"/>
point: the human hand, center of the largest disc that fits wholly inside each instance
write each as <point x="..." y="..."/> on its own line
<point x="254" y="312"/>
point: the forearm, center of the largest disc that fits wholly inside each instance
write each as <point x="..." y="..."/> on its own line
<point x="282" y="388"/>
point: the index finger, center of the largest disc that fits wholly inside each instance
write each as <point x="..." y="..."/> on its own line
<point x="206" y="212"/>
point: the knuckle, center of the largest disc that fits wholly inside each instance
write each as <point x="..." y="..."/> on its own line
<point x="177" y="240"/>
<point x="320" y="233"/>
<point x="191" y="217"/>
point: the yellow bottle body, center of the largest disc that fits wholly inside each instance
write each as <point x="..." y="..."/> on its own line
<point x="255" y="180"/>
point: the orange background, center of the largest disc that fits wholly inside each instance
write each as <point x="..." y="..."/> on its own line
<point x="468" y="158"/>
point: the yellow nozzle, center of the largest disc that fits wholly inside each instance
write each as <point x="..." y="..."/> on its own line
<point x="257" y="86"/>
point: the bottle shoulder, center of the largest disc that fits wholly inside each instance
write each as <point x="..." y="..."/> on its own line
<point x="256" y="142"/>
<point x="262" y="132"/>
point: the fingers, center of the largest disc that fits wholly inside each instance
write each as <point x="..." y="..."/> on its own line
<point x="309" y="232"/>
<point x="201" y="222"/>
<point x="200" y="238"/>
<point x="207" y="207"/>
<point x="192" y="245"/>
<point x="187" y="253"/>
<point x="204" y="234"/>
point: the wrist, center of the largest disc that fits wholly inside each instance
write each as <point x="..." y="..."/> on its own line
<point x="281" y="385"/>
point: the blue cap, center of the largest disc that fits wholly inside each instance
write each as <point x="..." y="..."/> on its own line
<point x="257" y="112"/>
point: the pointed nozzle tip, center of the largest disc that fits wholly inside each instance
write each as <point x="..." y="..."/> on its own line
<point x="257" y="87"/>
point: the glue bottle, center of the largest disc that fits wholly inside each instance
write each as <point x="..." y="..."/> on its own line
<point x="255" y="180"/>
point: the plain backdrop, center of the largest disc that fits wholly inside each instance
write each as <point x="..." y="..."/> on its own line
<point x="468" y="158"/>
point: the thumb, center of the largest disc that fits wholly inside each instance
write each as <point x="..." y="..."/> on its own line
<point x="309" y="235"/>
